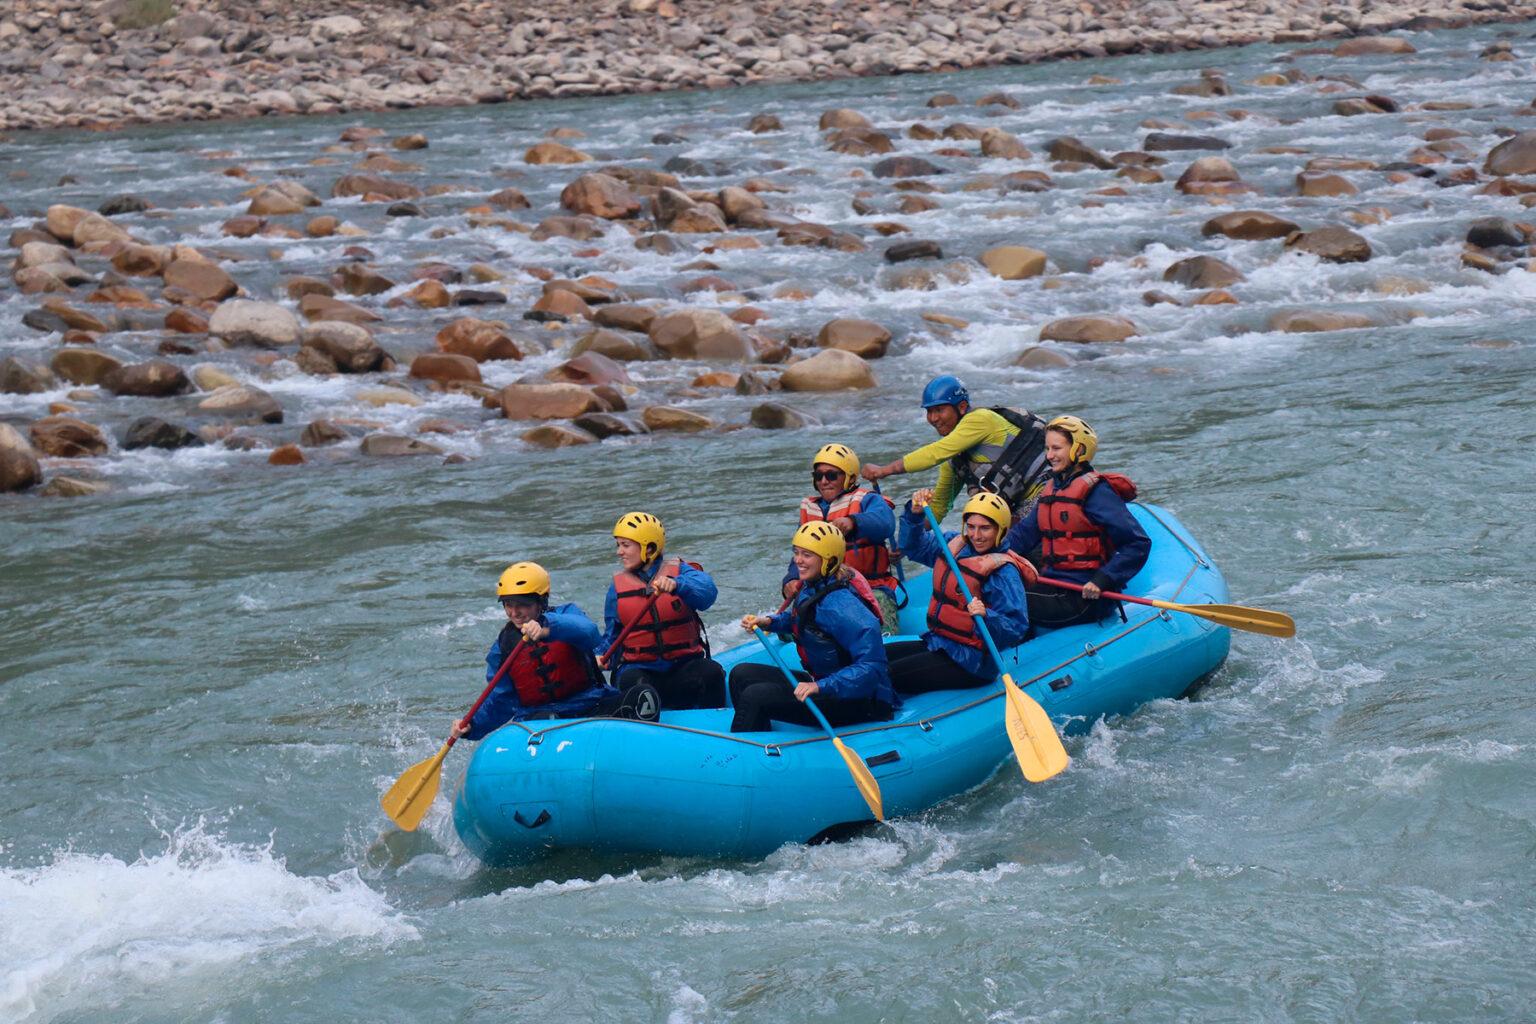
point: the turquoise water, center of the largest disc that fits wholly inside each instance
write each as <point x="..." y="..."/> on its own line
<point x="211" y="672"/>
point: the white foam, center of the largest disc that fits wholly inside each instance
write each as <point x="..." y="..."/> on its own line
<point x="168" y="925"/>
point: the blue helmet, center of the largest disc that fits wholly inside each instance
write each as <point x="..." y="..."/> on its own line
<point x="945" y="390"/>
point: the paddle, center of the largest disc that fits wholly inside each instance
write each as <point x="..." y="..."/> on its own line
<point x="1034" y="738"/>
<point x="868" y="788"/>
<point x="1254" y="620"/>
<point x="407" y="801"/>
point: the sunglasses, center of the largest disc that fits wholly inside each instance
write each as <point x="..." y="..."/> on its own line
<point x="819" y="475"/>
<point x="508" y="602"/>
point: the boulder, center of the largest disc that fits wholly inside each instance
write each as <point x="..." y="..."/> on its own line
<point x="676" y="211"/>
<point x="64" y="437"/>
<point x="1203" y="272"/>
<point x="1316" y="320"/>
<point x="905" y="167"/>
<point x="917" y="249"/>
<point x="842" y="117"/>
<point x="763" y="123"/>
<point x="700" y="334"/>
<point x="371" y="185"/>
<point x="349" y="346"/>
<point x="60" y="220"/>
<point x="208" y="377"/>
<point x="1248" y="225"/>
<point x="426" y="295"/>
<point x="262" y="324"/>
<point x="626" y="316"/>
<point x="84" y="366"/>
<point x="154" y="379"/>
<point x="481" y="340"/>
<point x="1513" y="156"/>
<point x="600" y="195"/>
<point x="322" y="432"/>
<point x="1373" y="46"/>
<point x="271" y="202"/>
<point x="665" y="417"/>
<point x="1004" y="145"/>
<point x="445" y="367"/>
<point x="153" y="432"/>
<point x="389" y="445"/>
<point x="554" y="153"/>
<point x="316" y="306"/>
<point x="1088" y="329"/>
<point x="548" y="401"/>
<point x="614" y="345"/>
<point x="19" y="468"/>
<point x="134" y="260"/>
<point x="736" y="203"/>
<point x="1313" y="183"/>
<point x="1071" y="150"/>
<point x="590" y="369"/>
<point x="829" y="370"/>
<point x="71" y="487"/>
<point x="243" y="403"/>
<point x="1038" y="357"/>
<point x="581" y="229"/>
<point x="1014" y="262"/>
<point x="93" y="227"/>
<point x="864" y="338"/>
<point x="606" y="424"/>
<point x="563" y="304"/>
<point x="776" y="416"/>
<point x="1492" y="232"/>
<point x="1163" y="142"/>
<point x="286" y="455"/>
<point x="554" y="435"/>
<point x="1209" y="175"/>
<point x="22" y="377"/>
<point x="40" y="254"/>
<point x="204" y="281"/>
<point x="1331" y="244"/>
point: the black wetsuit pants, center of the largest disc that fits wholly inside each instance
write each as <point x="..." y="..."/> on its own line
<point x="695" y="683"/>
<point x="760" y="693"/>
<point x="916" y="669"/>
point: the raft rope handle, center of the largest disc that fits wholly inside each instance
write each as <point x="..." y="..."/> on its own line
<point x="1175" y="535"/>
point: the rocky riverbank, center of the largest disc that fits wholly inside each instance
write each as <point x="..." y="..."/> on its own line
<point x="86" y="63"/>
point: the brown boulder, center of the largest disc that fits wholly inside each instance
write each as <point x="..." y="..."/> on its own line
<point x="316" y="306"/>
<point x="548" y="401"/>
<point x="626" y="316"/>
<point x="243" y="403"/>
<point x="676" y="211"/>
<point x="1088" y="329"/>
<point x="204" y="281"/>
<point x="83" y="366"/>
<point x="590" y="369"/>
<point x="1316" y="320"/>
<point x="1331" y="244"/>
<point x="554" y="153"/>
<point x="1071" y="150"/>
<point x="154" y="379"/>
<point x="829" y="370"/>
<point x="700" y="334"/>
<point x="666" y="417"/>
<point x="61" y="220"/>
<point x="614" y="345"/>
<point x="842" y="117"/>
<point x="136" y="260"/>
<point x="444" y="367"/>
<point x="581" y="229"/>
<point x="389" y="445"/>
<point x="1248" y="225"/>
<point x="1203" y="272"/>
<point x="555" y="435"/>
<point x="1005" y="145"/>
<point x="349" y="346"/>
<point x="24" y="377"/>
<point x="1038" y="357"/>
<point x="65" y="437"/>
<point x="864" y="338"/>
<point x="262" y="324"/>
<point x="1311" y="183"/>
<point x="565" y="304"/>
<point x="1014" y="262"/>
<point x="286" y="455"/>
<point x="600" y="196"/>
<point x="1209" y="175"/>
<point x="481" y="340"/>
<point x="19" y="468"/>
<point x="1373" y="46"/>
<point x="1513" y="156"/>
<point x="373" y="185"/>
<point x="360" y="279"/>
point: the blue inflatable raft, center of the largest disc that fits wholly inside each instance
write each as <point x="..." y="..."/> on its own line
<point x="687" y="786"/>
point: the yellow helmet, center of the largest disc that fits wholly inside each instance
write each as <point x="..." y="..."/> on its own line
<point x="644" y="529"/>
<point x="1083" y="441"/>
<point x="524" y="579"/>
<point x="825" y="540"/>
<point x="985" y="503"/>
<point x="841" y="456"/>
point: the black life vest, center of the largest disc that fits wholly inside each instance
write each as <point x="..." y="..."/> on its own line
<point x="803" y="615"/>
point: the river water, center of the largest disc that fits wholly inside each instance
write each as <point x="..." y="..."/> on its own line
<point x="211" y="672"/>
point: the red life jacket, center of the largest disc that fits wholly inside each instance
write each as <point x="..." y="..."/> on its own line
<point x="947" y="613"/>
<point x="670" y="629"/>
<point x="803" y="614"/>
<point x="551" y="671"/>
<point x="1068" y="538"/>
<point x="871" y="558"/>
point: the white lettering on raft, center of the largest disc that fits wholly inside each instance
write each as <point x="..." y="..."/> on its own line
<point x="562" y="746"/>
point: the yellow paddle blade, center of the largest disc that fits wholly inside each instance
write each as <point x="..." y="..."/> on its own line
<point x="1032" y="734"/>
<point x="407" y="801"/>
<point x="869" y="789"/>
<point x="1254" y="620"/>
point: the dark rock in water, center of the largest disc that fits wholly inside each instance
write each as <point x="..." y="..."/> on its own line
<point x="322" y="432"/>
<point x="386" y="445"/>
<point x="403" y="210"/>
<point x="1331" y="244"/>
<point x="606" y="424"/>
<point x="153" y="432"/>
<point x="905" y="167"/>
<point x="668" y="139"/>
<point x="690" y="168"/>
<point x="1164" y="142"/>
<point x="45" y="321"/>
<point x="1490" y="232"/>
<point x="1077" y="151"/>
<point x="1202" y="272"/>
<point x="762" y="123"/>
<point x="478" y="297"/>
<point x="661" y="244"/>
<point x="154" y="379"/>
<point x="1407" y="167"/>
<point x="750" y="383"/>
<point x="921" y="249"/>
<point x="19" y="377"/>
<point x="775" y="416"/>
<point x="123" y="204"/>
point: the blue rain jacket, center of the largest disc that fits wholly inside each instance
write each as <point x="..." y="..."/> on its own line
<point x="695" y="588"/>
<point x="876" y="522"/>
<point x="854" y="636"/>
<point x="568" y="624"/>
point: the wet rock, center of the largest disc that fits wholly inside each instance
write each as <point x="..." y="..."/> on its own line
<point x="917" y="249"/>
<point x="1072" y="150"/>
<point x="136" y="260"/>
<point x="775" y="416"/>
<point x="262" y="324"/>
<point x="603" y="425"/>
<point x="1312" y="321"/>
<point x="509" y="199"/>
<point x="554" y="153"/>
<point x="444" y="368"/>
<point x="44" y="320"/>
<point x="1513" y="156"/>
<point x="1358" y="105"/>
<point x="1164" y="142"/>
<point x="1003" y="145"/>
<point x="393" y="445"/>
<point x="548" y="401"/>
<point x="750" y="383"/>
<point x="93" y="227"/>
<point x="614" y="345"/>
<point x="360" y="279"/>
<point x="1248" y="225"/>
<point x="700" y="334"/>
<point x="1014" y="262"/>
<point x="905" y="167"/>
<point x="243" y="403"/>
<point x="19" y="468"/>
<point x="23" y="377"/>
<point x="1209" y="175"/>
<point x="763" y="123"/>
<point x="665" y="417"/>
<point x="1331" y="244"/>
<point x="1203" y="272"/>
<point x="65" y="437"/>
<point x="286" y="455"/>
<point x="61" y="220"/>
<point x="600" y="195"/>
<point x="1491" y="232"/>
<point x="829" y="370"/>
<point x="387" y="395"/>
<point x="716" y="379"/>
<point x="322" y="307"/>
<point x="154" y="379"/>
<point x="481" y="340"/>
<point x="39" y="254"/>
<point x="625" y="316"/>
<point x="864" y="338"/>
<point x="71" y="487"/>
<point x="479" y="297"/>
<point x="1373" y="46"/>
<point x="842" y="117"/>
<point x="371" y="185"/>
<point x="323" y="432"/>
<point x="271" y="202"/>
<point x="553" y="435"/>
<point x="153" y="432"/>
<point x="676" y="211"/>
<point x="1311" y="183"/>
<point x="404" y="209"/>
<point x="1038" y="357"/>
<point x="581" y="229"/>
<point x="208" y="377"/>
<point x="590" y="369"/>
<point x="1088" y="329"/>
<point x="348" y="346"/>
<point x="563" y="305"/>
<point x="119" y="205"/>
<point x="84" y="366"/>
<point x="1211" y="83"/>
<point x="427" y="294"/>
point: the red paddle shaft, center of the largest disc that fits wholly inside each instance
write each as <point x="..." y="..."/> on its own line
<point x="506" y="664"/>
<point x="1103" y="593"/>
<point x="655" y="594"/>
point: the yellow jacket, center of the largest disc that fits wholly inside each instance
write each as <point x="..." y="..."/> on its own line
<point x="981" y="435"/>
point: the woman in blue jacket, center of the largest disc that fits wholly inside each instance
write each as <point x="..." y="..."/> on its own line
<point x="836" y="625"/>
<point x="951" y="654"/>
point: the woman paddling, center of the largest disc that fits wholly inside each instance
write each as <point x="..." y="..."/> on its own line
<point x="1085" y="531"/>
<point x="836" y="625"/>
<point x="951" y="655"/>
